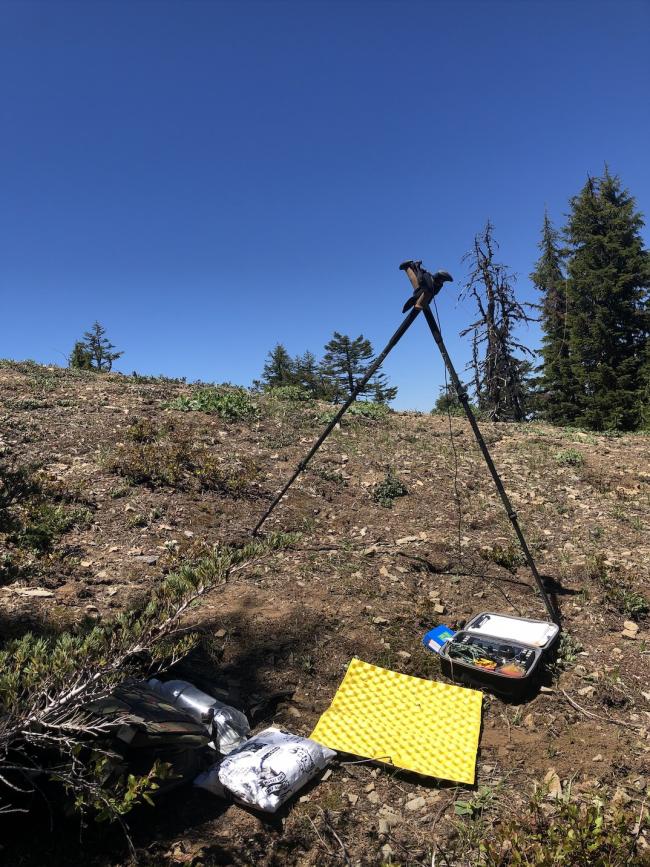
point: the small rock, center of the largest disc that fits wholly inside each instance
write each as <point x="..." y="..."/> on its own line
<point x="621" y="798"/>
<point x="129" y="508"/>
<point x="404" y="654"/>
<point x="32" y="591"/>
<point x="390" y="816"/>
<point x="220" y="633"/>
<point x="553" y="784"/>
<point x="587" y="690"/>
<point x="86" y="563"/>
<point x="597" y="758"/>
<point x="148" y="560"/>
<point x="188" y="534"/>
<point x="386" y="852"/>
<point x="380" y="621"/>
<point x="383" y="827"/>
<point x="352" y="798"/>
<point x="529" y="721"/>
<point x="646" y="695"/>
<point x="406" y="539"/>
<point x="439" y="609"/>
<point x="373" y="797"/>
<point x="369" y="788"/>
<point x="326" y="775"/>
<point x="415" y="804"/>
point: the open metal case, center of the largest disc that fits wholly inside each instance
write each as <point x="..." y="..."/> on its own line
<point x="503" y="654"/>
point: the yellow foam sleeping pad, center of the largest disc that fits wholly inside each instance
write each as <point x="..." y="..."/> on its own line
<point x="419" y="725"/>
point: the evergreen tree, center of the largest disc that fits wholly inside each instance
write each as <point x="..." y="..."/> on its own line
<point x="607" y="315"/>
<point x="554" y="386"/>
<point x="279" y="368"/>
<point x="80" y="358"/>
<point x="346" y="362"/>
<point x="500" y="377"/>
<point x="94" y="352"/>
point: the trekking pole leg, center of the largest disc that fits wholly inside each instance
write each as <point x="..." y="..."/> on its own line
<point x="401" y="331"/>
<point x="512" y="515"/>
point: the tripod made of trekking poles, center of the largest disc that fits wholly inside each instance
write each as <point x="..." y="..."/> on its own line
<point x="425" y="287"/>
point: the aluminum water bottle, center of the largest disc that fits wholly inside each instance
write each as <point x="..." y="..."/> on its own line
<point x="227" y="725"/>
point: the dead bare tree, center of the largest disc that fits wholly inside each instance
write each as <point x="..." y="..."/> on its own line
<point x="499" y="376"/>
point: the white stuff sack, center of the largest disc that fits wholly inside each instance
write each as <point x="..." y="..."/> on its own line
<point x="271" y="767"/>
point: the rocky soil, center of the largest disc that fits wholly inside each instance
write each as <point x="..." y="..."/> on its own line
<point x="362" y="579"/>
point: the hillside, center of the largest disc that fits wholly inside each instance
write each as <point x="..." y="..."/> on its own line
<point x="133" y="488"/>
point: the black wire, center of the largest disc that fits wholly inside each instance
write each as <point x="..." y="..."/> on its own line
<point x="456" y="491"/>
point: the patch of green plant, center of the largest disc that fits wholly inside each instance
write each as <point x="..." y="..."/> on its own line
<point x="566" y="834"/>
<point x="567" y="652"/>
<point x="388" y="490"/>
<point x="48" y="684"/>
<point x="45" y="524"/>
<point x="359" y="409"/>
<point x="480" y="801"/>
<point x="232" y="404"/>
<point x="618" y="593"/>
<point x="142" y="430"/>
<point x="570" y="458"/>
<point x="508" y="556"/>
<point x="289" y="392"/>
<point x="329" y="475"/>
<point x="154" y="463"/>
<point x="232" y="477"/>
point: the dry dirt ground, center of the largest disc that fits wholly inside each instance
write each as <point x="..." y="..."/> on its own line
<point x="360" y="580"/>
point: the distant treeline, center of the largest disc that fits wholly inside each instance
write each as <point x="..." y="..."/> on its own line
<point x="343" y="365"/>
<point x="593" y="368"/>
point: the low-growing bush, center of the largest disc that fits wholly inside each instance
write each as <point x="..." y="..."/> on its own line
<point x="289" y="392"/>
<point x="233" y="477"/>
<point x="570" y="458"/>
<point x="156" y="463"/>
<point x="232" y="404"/>
<point x="360" y="409"/>
<point x="567" y="834"/>
<point x="508" y="556"/>
<point x="388" y="490"/>
<point x="618" y="592"/>
<point x="45" y="523"/>
<point x="48" y="730"/>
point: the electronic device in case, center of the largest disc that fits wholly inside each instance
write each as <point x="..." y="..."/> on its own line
<point x="501" y="653"/>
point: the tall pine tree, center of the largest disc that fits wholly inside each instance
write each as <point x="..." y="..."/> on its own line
<point x="346" y="361"/>
<point x="554" y="386"/>
<point x="279" y="368"/>
<point x="607" y="313"/>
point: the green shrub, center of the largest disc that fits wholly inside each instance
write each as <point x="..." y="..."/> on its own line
<point x="289" y="392"/>
<point x="388" y="490"/>
<point x="508" y="556"/>
<point x="570" y="458"/>
<point x="234" y="478"/>
<point x="45" y="524"/>
<point x="360" y="409"/>
<point x="154" y="463"/>
<point x="565" y="835"/>
<point x="48" y="682"/>
<point x="618" y="593"/>
<point x="233" y="404"/>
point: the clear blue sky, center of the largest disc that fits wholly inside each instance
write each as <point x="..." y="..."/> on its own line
<point x="208" y="179"/>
